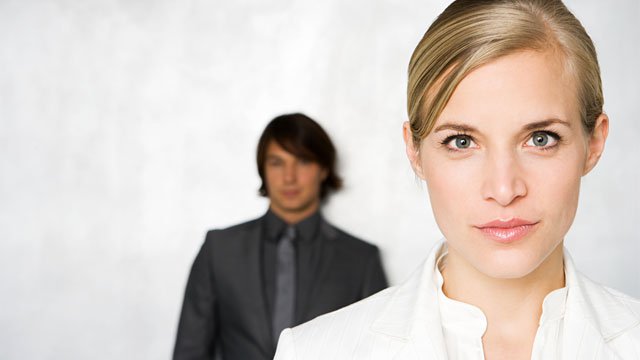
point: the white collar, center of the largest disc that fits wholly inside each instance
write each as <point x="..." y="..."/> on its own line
<point x="465" y="320"/>
<point x="469" y="321"/>
<point x="411" y="313"/>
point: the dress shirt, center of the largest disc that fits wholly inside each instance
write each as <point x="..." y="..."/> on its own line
<point x="306" y="239"/>
<point x="463" y="325"/>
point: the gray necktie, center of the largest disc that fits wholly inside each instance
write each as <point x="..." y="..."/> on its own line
<point x="285" y="299"/>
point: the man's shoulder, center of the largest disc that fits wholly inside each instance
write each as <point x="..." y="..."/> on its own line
<point x="233" y="231"/>
<point x="347" y="240"/>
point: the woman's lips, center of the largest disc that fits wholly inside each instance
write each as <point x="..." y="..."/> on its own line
<point x="507" y="231"/>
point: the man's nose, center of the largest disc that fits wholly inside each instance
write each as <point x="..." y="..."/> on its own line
<point x="503" y="179"/>
<point x="290" y="173"/>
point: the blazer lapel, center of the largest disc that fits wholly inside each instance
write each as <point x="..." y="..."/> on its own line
<point x="583" y="341"/>
<point x="412" y="315"/>
<point x="309" y="274"/>
<point x="594" y="316"/>
<point x="261" y="322"/>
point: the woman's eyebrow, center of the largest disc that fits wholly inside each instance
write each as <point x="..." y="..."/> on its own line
<point x="457" y="127"/>
<point x="544" y="123"/>
<point x="529" y="127"/>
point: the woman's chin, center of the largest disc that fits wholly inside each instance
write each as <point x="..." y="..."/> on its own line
<point x="515" y="265"/>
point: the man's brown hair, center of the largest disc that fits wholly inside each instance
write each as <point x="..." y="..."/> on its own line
<point x="301" y="136"/>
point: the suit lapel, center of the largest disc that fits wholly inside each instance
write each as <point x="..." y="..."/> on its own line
<point x="261" y="322"/>
<point x="310" y="274"/>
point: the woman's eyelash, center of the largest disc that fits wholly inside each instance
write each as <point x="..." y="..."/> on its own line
<point x="556" y="137"/>
<point x="448" y="139"/>
<point x="552" y="134"/>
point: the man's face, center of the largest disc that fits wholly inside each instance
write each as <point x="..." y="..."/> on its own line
<point x="293" y="184"/>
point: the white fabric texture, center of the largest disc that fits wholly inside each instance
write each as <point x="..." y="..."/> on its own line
<point x="404" y="322"/>
<point x="463" y="325"/>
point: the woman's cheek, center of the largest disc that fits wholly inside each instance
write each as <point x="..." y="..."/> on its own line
<point x="452" y="187"/>
<point x="557" y="189"/>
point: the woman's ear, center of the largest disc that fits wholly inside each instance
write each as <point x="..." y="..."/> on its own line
<point x="412" y="151"/>
<point x="596" y="143"/>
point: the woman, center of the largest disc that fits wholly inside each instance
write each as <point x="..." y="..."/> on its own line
<point x="505" y="109"/>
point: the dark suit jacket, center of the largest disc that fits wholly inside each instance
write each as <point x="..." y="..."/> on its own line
<point x="224" y="307"/>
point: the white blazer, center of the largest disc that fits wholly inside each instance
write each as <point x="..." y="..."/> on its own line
<point x="403" y="322"/>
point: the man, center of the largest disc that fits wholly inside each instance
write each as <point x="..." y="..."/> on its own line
<point x="252" y="280"/>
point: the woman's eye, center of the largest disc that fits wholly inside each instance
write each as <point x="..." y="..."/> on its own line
<point x="459" y="142"/>
<point x="542" y="139"/>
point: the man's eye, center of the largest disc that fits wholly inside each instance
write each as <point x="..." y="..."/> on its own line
<point x="459" y="142"/>
<point x="543" y="139"/>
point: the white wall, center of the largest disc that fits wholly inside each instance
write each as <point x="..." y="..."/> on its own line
<point x="128" y="128"/>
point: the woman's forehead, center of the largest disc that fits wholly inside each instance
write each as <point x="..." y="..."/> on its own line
<point x="521" y="87"/>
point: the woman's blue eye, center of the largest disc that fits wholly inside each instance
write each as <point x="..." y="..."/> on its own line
<point x="458" y="142"/>
<point x="462" y="142"/>
<point x="542" y="139"/>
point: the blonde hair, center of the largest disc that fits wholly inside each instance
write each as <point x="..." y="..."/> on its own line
<point x="471" y="33"/>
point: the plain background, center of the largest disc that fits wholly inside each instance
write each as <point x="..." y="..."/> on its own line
<point x="128" y="128"/>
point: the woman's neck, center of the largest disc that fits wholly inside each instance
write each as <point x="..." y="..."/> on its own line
<point x="512" y="306"/>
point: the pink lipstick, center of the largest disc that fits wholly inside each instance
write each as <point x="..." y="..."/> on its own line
<point x="507" y="231"/>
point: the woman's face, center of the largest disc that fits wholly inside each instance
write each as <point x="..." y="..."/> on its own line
<point x="503" y="163"/>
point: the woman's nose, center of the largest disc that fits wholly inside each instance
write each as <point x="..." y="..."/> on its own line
<point x="504" y="180"/>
